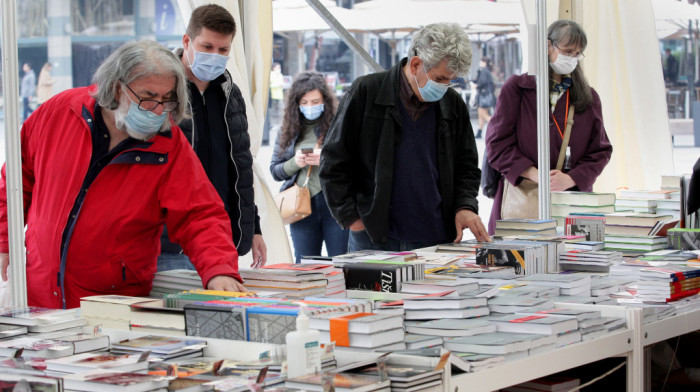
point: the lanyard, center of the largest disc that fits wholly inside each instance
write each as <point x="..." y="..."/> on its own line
<point x="566" y="115"/>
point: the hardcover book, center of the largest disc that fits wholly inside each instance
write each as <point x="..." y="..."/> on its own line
<point x="373" y="277"/>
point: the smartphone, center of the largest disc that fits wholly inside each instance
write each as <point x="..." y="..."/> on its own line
<point x="307" y="150"/>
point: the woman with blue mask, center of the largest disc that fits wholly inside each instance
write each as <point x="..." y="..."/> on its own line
<point x="308" y="114"/>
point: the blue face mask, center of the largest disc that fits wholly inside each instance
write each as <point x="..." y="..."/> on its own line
<point x="311" y="112"/>
<point x="207" y="66"/>
<point x="142" y="124"/>
<point x="432" y="91"/>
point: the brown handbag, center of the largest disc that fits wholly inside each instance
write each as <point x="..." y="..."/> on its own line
<point x="294" y="203"/>
<point x="522" y="201"/>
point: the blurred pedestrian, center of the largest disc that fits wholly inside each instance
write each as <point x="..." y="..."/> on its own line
<point x="310" y="109"/>
<point x="27" y="89"/>
<point x="486" y="97"/>
<point x="276" y="94"/>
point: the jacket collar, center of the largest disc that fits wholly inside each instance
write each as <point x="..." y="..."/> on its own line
<point x="389" y="90"/>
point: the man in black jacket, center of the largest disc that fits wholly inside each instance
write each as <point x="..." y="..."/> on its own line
<point x="218" y="131"/>
<point x="399" y="166"/>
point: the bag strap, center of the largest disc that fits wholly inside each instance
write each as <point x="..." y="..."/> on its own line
<point x="308" y="172"/>
<point x="567" y="134"/>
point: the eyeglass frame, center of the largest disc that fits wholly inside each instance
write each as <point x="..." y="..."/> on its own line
<point x="163" y="103"/>
<point x="580" y="56"/>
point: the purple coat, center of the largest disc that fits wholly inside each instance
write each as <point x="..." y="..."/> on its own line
<point x="511" y="139"/>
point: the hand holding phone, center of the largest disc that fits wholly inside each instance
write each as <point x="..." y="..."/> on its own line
<point x="307" y="150"/>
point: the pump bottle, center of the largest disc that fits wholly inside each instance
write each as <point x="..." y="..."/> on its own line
<point x="303" y="347"/>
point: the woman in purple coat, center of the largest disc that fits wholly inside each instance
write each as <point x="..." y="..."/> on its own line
<point x="511" y="140"/>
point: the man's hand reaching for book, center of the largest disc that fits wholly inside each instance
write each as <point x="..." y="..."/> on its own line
<point x="226" y="283"/>
<point x="468" y="219"/>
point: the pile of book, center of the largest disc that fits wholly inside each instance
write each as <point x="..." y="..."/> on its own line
<point x="631" y="223"/>
<point x="588" y="260"/>
<point x="668" y="284"/>
<point x="684" y="239"/>
<point x="549" y="383"/>
<point x="110" y="311"/>
<point x="47" y="333"/>
<point x="173" y="281"/>
<point x="565" y="203"/>
<point x="509" y="227"/>
<point x="665" y="201"/>
<point x="369" y="331"/>
<point x="569" y="284"/>
<point x="643" y="243"/>
<point x="292" y="280"/>
<point x="509" y="345"/>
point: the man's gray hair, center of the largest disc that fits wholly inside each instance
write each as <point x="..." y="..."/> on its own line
<point x="135" y="60"/>
<point x="443" y="41"/>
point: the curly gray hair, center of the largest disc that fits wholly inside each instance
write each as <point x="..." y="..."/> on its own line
<point x="443" y="41"/>
<point x="135" y="60"/>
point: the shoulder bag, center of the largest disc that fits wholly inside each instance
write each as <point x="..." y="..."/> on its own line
<point x="522" y="201"/>
<point x="294" y="203"/>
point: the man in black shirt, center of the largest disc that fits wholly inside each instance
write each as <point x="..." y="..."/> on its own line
<point x="218" y="131"/>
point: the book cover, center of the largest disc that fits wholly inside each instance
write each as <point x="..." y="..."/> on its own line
<point x="270" y="324"/>
<point x="88" y="361"/>
<point x="215" y="321"/>
<point x="492" y="256"/>
<point x="373" y="277"/>
<point x="32" y="315"/>
<point x="160" y="344"/>
<point x="354" y="322"/>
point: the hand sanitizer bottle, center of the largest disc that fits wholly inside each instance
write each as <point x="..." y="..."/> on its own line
<point x="303" y="347"/>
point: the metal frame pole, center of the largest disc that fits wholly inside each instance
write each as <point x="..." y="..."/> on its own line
<point x="13" y="154"/>
<point x="343" y="33"/>
<point x="542" y="78"/>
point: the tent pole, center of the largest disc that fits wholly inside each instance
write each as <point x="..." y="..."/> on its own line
<point x="349" y="40"/>
<point x="542" y="110"/>
<point x="15" y="210"/>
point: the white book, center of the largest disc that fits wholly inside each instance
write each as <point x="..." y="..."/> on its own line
<point x="497" y="342"/>
<point x="113" y="381"/>
<point x="452" y="327"/>
<point x="443" y="302"/>
<point x="102" y="360"/>
<point x="357" y="322"/>
<point x="431" y="314"/>
<point x="376" y="339"/>
<point x="543" y="324"/>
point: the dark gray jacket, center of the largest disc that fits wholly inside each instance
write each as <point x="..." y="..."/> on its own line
<point x="357" y="160"/>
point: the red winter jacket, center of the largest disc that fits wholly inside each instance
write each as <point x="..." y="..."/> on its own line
<point x="116" y="238"/>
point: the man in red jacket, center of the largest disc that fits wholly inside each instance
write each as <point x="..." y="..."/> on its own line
<point x="104" y="167"/>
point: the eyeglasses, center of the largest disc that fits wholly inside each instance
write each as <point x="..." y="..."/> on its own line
<point x="151" y="104"/>
<point x="577" y="55"/>
<point x="448" y="84"/>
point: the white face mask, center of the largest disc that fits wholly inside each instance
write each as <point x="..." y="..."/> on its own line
<point x="564" y="64"/>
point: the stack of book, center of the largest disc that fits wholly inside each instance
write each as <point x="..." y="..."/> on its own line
<point x="509" y="227"/>
<point x="79" y="363"/>
<point x="336" y="284"/>
<point x="109" y="311"/>
<point x="505" y="304"/>
<point x="630" y="223"/>
<point x="431" y="286"/>
<point x="173" y="281"/>
<point x="631" y="204"/>
<point x="522" y="258"/>
<point x="569" y="284"/>
<point x="668" y="284"/>
<point x="293" y="280"/>
<point x="508" y="344"/>
<point x="360" y="330"/>
<point x="37" y="320"/>
<point x="644" y="243"/>
<point x="154" y="317"/>
<point x="584" y="260"/>
<point x="566" y="203"/>
<point x="540" y="324"/>
<point x="586" y="224"/>
<point x="179" y="300"/>
<point x="451" y="327"/>
<point x="161" y="347"/>
<point x="525" y="290"/>
<point x="112" y="380"/>
<point x="445" y="307"/>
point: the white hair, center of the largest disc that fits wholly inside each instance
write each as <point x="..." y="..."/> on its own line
<point x="443" y="41"/>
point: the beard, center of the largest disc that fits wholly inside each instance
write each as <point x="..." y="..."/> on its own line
<point x="120" y="114"/>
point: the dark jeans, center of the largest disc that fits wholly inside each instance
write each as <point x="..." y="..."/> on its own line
<point x="27" y="109"/>
<point x="309" y="233"/>
<point x="359" y="240"/>
<point x="170" y="261"/>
